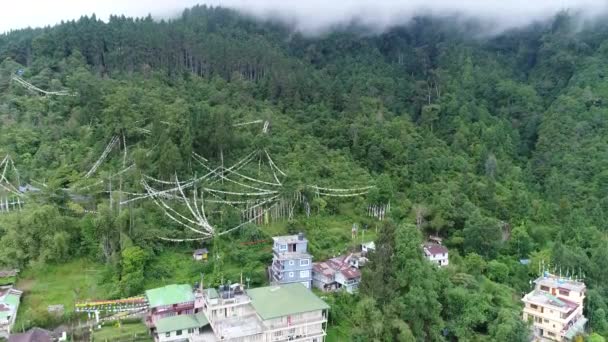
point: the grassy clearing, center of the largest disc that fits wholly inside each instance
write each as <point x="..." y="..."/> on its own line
<point x="57" y="284"/>
<point x="122" y="332"/>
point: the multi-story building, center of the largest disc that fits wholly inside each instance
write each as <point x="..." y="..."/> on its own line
<point x="555" y="308"/>
<point x="288" y="312"/>
<point x="436" y="253"/>
<point x="9" y="305"/>
<point x="291" y="262"/>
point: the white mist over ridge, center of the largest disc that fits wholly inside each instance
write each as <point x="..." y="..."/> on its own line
<point x="316" y="16"/>
<point x="308" y="16"/>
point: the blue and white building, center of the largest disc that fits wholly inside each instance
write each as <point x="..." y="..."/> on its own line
<point x="291" y="262"/>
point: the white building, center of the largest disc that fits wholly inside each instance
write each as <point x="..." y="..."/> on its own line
<point x="436" y="253"/>
<point x="287" y="312"/>
<point x="555" y="308"/>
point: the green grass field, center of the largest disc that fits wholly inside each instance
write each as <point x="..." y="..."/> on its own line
<point x="124" y="332"/>
<point x="57" y="284"/>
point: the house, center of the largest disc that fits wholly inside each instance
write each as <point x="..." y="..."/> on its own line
<point x="555" y="308"/>
<point x="274" y="313"/>
<point x="233" y="314"/>
<point x="9" y="305"/>
<point x="436" y="253"/>
<point x="337" y="273"/>
<point x="171" y="300"/>
<point x="32" y="335"/>
<point x="188" y="327"/>
<point x="200" y="254"/>
<point x="368" y="247"/>
<point x="291" y="262"/>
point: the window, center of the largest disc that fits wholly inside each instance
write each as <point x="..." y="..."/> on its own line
<point x="278" y="333"/>
<point x="290" y="274"/>
<point x="291" y="263"/>
<point x="282" y="247"/>
<point x="304" y="262"/>
<point x="544" y="288"/>
<point x="546" y="320"/>
<point x="564" y="292"/>
<point x="534" y="306"/>
<point x="550" y="333"/>
<point x="178" y="333"/>
<point x="168" y="334"/>
<point x="303" y="274"/>
<point x="190" y="331"/>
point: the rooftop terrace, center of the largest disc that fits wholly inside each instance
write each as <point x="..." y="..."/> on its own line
<point x="560" y="282"/>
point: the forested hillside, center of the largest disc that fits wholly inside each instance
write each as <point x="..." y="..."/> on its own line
<point x="498" y="144"/>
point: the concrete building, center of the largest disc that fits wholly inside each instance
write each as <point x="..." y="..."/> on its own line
<point x="291" y="262"/>
<point x="337" y="273"/>
<point x="436" y="253"/>
<point x="288" y="312"/>
<point x="555" y="308"/>
<point x="10" y="299"/>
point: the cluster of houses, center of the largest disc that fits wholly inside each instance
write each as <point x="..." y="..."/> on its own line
<point x="288" y="312"/>
<point x="291" y="263"/>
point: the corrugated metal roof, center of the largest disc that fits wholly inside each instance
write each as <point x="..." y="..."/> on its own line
<point x="181" y="322"/>
<point x="288" y="299"/>
<point x="169" y="295"/>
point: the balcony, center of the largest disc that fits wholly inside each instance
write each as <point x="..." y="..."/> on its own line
<point x="296" y="323"/>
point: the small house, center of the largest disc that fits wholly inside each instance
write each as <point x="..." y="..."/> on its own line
<point x="168" y="301"/>
<point x="192" y="327"/>
<point x="436" y="253"/>
<point x="200" y="254"/>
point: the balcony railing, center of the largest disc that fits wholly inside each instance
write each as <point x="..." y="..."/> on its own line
<point x="295" y="323"/>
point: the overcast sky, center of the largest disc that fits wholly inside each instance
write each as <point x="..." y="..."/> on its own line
<point x="308" y="15"/>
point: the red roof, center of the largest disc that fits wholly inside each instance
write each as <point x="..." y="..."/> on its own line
<point x="434" y="249"/>
<point x="338" y="264"/>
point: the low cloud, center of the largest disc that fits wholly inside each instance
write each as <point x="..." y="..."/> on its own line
<point x="308" y="16"/>
<point x="315" y="16"/>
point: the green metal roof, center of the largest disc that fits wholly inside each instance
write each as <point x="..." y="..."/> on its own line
<point x="287" y="299"/>
<point x="181" y="322"/>
<point x="212" y="293"/>
<point x="12" y="300"/>
<point x="169" y="295"/>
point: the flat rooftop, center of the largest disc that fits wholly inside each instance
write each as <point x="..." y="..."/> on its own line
<point x="560" y="282"/>
<point x="292" y="255"/>
<point x="235" y="327"/>
<point x="289" y="238"/>
<point x="545" y="299"/>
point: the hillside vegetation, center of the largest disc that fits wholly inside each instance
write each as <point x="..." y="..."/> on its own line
<point x="498" y="144"/>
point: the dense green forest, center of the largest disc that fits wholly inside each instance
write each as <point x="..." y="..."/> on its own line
<point x="498" y="144"/>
